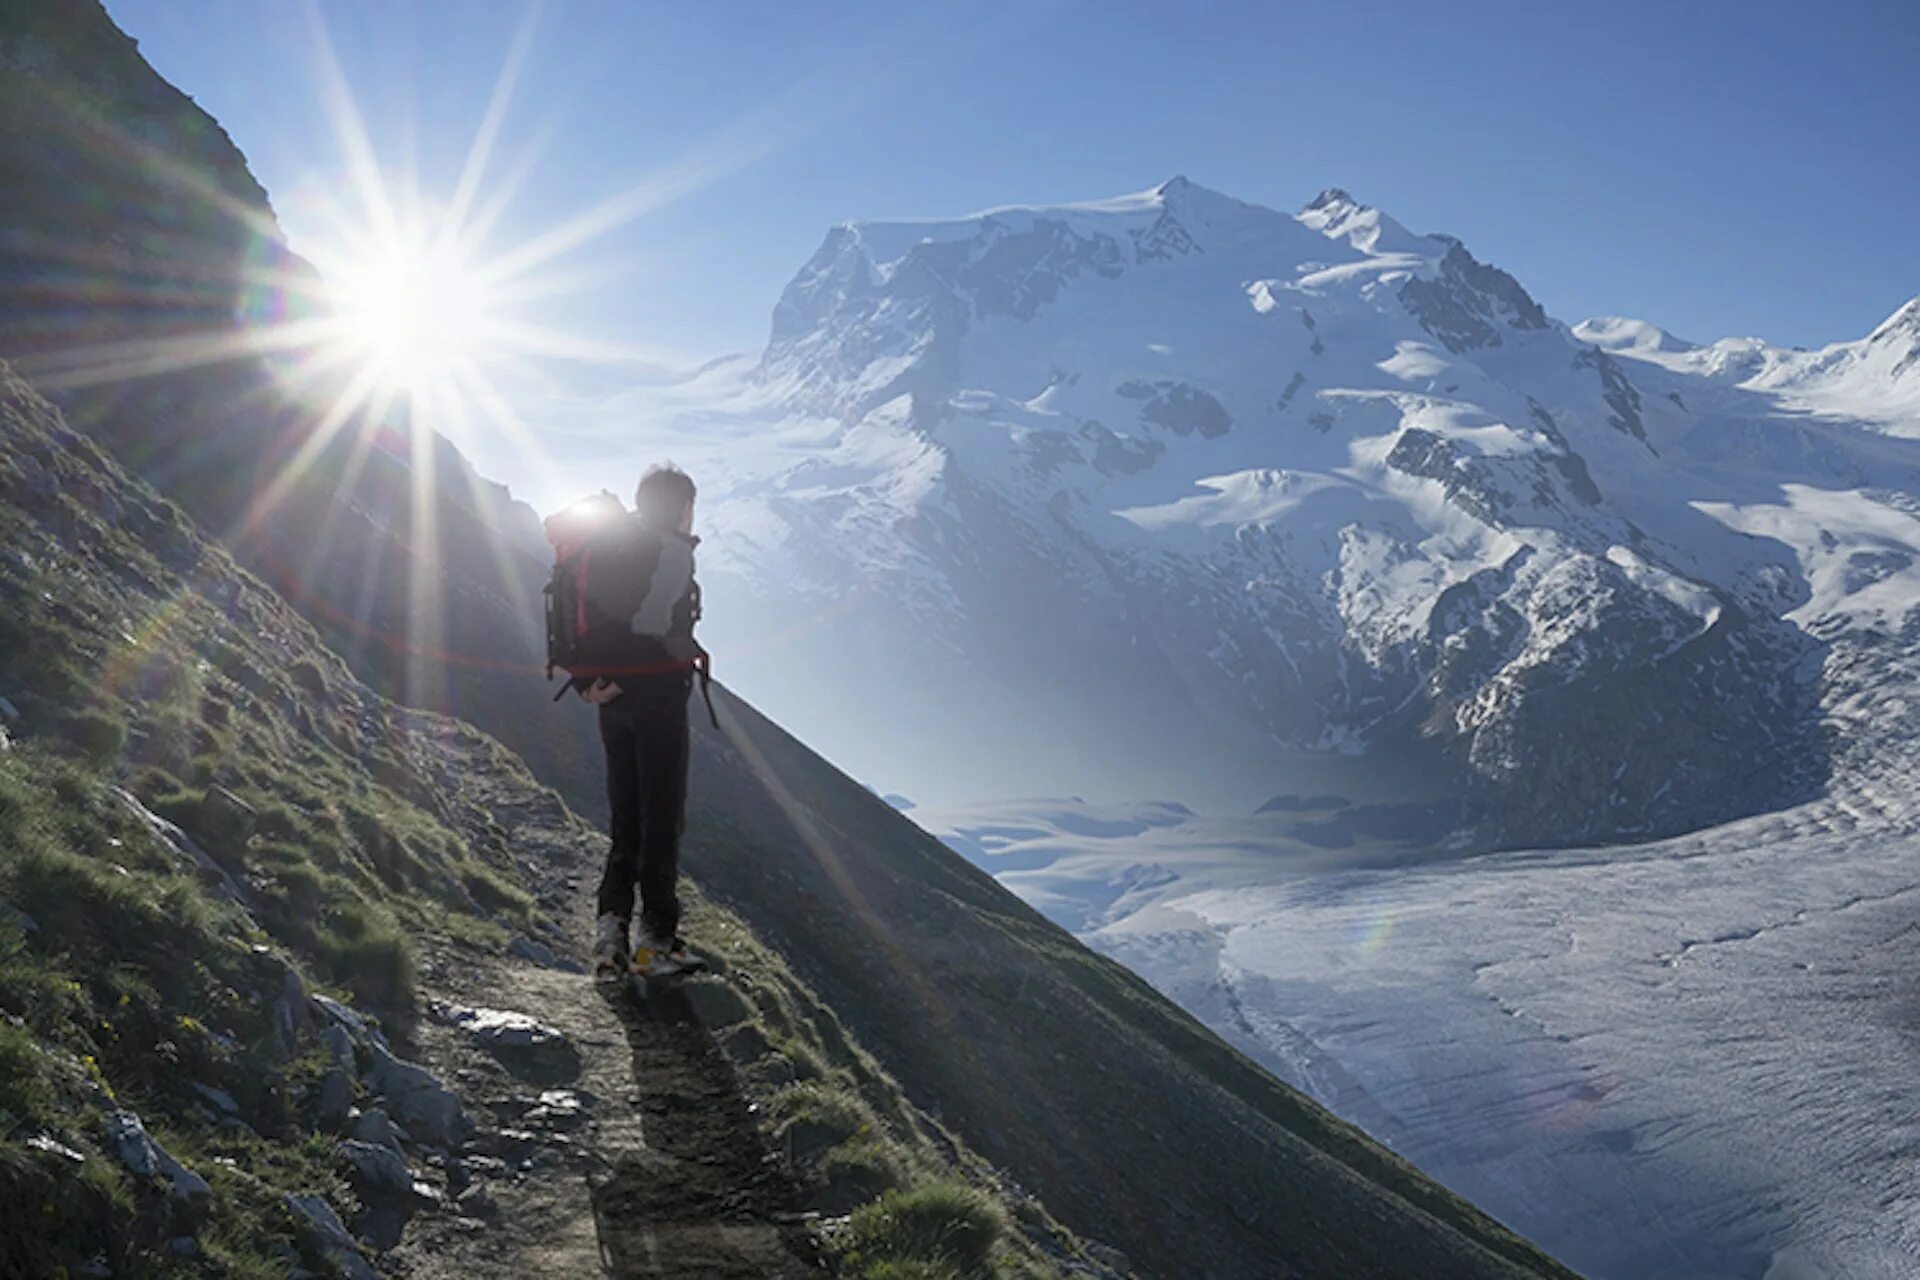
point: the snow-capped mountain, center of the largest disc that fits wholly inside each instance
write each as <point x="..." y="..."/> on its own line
<point x="1173" y="494"/>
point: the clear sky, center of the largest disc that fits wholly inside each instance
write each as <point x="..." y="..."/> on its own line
<point x="1718" y="167"/>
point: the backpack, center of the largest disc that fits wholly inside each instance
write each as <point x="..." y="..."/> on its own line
<point x="603" y="561"/>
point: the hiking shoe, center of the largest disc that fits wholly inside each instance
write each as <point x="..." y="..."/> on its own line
<point x="656" y="959"/>
<point x="609" y="945"/>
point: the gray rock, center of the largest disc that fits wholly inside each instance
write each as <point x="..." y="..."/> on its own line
<point x="561" y="1110"/>
<point x="377" y="1170"/>
<point x="330" y="1235"/>
<point x="525" y="1046"/>
<point x="184" y="1247"/>
<point x="377" y="1127"/>
<point x="335" y="1100"/>
<point x="219" y="1099"/>
<point x="358" y="1026"/>
<point x="716" y="1004"/>
<point x="388" y="1192"/>
<point x="512" y="1147"/>
<point x="290" y="1015"/>
<point x="128" y="1140"/>
<point x="339" y="1046"/>
<point x="477" y="1202"/>
<point x="183" y="844"/>
<point x="415" y="1097"/>
<point x="537" y="952"/>
<point x="9" y="712"/>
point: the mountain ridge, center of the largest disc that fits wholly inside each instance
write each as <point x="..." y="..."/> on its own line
<point x="1237" y="460"/>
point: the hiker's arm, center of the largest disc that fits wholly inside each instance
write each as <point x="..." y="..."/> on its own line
<point x="668" y="584"/>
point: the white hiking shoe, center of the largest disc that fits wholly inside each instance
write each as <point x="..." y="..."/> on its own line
<point x="657" y="958"/>
<point x="609" y="946"/>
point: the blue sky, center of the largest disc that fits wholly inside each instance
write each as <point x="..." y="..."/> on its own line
<point x="1719" y="168"/>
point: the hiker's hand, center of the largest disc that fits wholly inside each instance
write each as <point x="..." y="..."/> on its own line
<point x="601" y="692"/>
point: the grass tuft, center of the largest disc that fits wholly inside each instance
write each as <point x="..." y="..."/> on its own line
<point x="948" y="1224"/>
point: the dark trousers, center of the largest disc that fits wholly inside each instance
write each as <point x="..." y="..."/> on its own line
<point x="645" y="734"/>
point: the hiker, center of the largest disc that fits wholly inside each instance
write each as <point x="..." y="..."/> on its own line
<point x="643" y="561"/>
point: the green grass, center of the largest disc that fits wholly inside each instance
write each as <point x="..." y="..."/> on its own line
<point x="140" y="979"/>
<point x="945" y="1225"/>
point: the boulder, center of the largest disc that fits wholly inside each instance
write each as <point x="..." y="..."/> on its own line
<point x="48" y="1145"/>
<point x="525" y="1046"/>
<point x="377" y="1127"/>
<point x="290" y="1016"/>
<point x="477" y="1202"/>
<point x="335" y="1100"/>
<point x="377" y="1172"/>
<point x="339" y="1046"/>
<point x="330" y="1237"/>
<point x="185" y="845"/>
<point x="128" y="1140"/>
<point x="559" y="1110"/>
<point x="415" y="1097"/>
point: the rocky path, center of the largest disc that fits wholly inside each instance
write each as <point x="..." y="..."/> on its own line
<point x="614" y="1140"/>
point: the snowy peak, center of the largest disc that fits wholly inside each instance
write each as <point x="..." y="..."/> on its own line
<point x="1338" y="216"/>
<point x="1902" y="325"/>
<point x="1898" y="341"/>
<point x="1625" y="336"/>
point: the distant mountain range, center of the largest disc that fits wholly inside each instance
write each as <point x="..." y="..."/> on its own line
<point x="1176" y="495"/>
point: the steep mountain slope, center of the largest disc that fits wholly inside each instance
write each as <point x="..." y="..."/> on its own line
<point x="1218" y="503"/>
<point x="181" y="1097"/>
<point x="990" y="1019"/>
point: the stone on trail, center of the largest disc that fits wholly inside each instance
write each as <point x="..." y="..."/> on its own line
<point x="525" y="1046"/>
<point x="415" y="1097"/>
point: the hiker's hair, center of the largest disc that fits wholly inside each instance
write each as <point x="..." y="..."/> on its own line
<point x="662" y="496"/>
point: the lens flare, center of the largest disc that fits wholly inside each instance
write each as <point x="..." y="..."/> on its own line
<point x="412" y="311"/>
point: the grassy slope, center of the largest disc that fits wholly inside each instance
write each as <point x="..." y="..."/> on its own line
<point x="139" y="655"/>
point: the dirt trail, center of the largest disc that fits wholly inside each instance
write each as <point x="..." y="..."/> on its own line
<point x="647" y="1165"/>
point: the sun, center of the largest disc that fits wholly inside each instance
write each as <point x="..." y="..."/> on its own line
<point x="410" y="311"/>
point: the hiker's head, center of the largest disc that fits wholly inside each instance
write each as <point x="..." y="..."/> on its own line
<point x="664" y="499"/>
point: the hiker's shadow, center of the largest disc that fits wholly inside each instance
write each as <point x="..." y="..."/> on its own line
<point x="703" y="1197"/>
